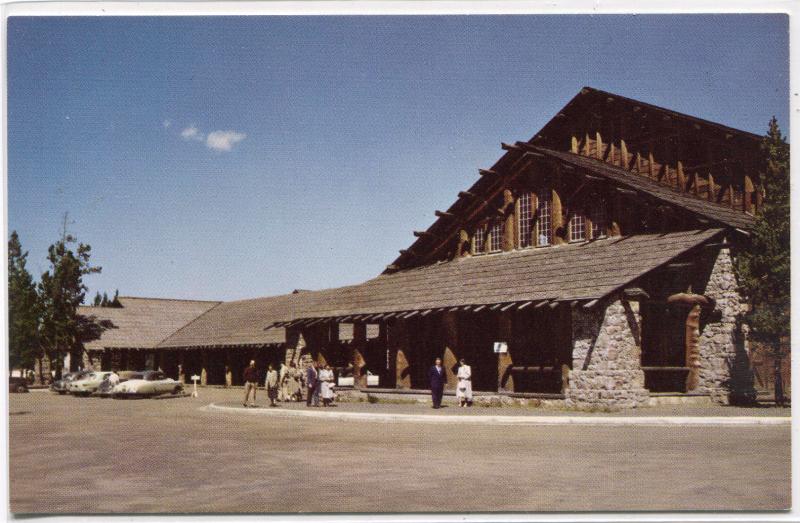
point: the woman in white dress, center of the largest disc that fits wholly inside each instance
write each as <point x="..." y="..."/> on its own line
<point x="326" y="382"/>
<point x="464" y="390"/>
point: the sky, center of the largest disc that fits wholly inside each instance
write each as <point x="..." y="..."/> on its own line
<point x="238" y="157"/>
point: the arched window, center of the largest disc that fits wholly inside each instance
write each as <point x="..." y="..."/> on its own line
<point x="525" y="217"/>
<point x="544" y="231"/>
<point x="496" y="236"/>
<point x="577" y="226"/>
<point x="479" y="240"/>
<point x="599" y="220"/>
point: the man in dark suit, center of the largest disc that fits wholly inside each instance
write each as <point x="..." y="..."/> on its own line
<point x="438" y="377"/>
<point x="312" y="382"/>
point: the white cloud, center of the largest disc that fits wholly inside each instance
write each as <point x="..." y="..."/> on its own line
<point x="166" y="123"/>
<point x="223" y="140"/>
<point x="191" y="133"/>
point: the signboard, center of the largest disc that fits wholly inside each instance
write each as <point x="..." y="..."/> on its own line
<point x="500" y="347"/>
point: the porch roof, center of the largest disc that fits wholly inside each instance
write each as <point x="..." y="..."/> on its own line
<point x="583" y="272"/>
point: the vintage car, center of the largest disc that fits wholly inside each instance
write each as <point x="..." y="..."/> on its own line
<point x="106" y="389"/>
<point x="348" y="381"/>
<point x="151" y="383"/>
<point x="87" y="384"/>
<point x="62" y="386"/>
<point x="16" y="384"/>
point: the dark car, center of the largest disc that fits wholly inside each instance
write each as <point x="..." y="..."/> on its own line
<point x="18" y="385"/>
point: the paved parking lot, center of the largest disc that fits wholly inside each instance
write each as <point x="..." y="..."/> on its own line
<point x="98" y="455"/>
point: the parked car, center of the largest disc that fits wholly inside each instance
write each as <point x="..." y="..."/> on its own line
<point x="152" y="383"/>
<point x="87" y="384"/>
<point x="106" y="389"/>
<point x="17" y="384"/>
<point x="62" y="386"/>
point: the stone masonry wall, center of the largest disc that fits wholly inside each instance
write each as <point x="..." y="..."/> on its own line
<point x="606" y="351"/>
<point x="724" y="365"/>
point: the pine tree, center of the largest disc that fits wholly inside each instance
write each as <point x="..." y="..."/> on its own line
<point x="764" y="267"/>
<point x="24" y="311"/>
<point x="97" y="299"/>
<point x="62" y="290"/>
<point x="104" y="302"/>
<point x="115" y="301"/>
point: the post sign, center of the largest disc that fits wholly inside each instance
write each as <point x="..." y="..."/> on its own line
<point x="500" y="347"/>
<point x="195" y="377"/>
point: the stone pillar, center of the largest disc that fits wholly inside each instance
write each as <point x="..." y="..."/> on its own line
<point x="451" y="351"/>
<point x="203" y="367"/>
<point x="357" y="346"/>
<point x="399" y="347"/>
<point x="693" y="361"/>
<point x="725" y="372"/>
<point x="505" y="380"/>
<point x="606" y="357"/>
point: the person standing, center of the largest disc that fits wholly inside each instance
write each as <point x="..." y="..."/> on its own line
<point x="281" y="382"/>
<point x="326" y="384"/>
<point x="312" y="385"/>
<point x="438" y="378"/>
<point x="250" y="382"/>
<point x="272" y="385"/>
<point x="291" y="383"/>
<point x="464" y="390"/>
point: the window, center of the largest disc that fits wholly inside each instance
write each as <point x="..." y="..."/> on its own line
<point x="496" y="236"/>
<point x="525" y="214"/>
<point x="598" y="220"/>
<point x="544" y="232"/>
<point x="577" y="226"/>
<point x="479" y="240"/>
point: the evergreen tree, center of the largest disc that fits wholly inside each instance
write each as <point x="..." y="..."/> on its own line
<point x="115" y="301"/>
<point x="104" y="302"/>
<point x="62" y="290"/>
<point x="764" y="267"/>
<point x="97" y="299"/>
<point x="24" y="311"/>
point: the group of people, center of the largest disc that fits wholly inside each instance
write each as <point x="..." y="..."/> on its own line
<point x="286" y="384"/>
<point x="438" y="380"/>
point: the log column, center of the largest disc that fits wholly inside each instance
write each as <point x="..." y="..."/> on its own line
<point x="358" y="346"/>
<point x="203" y="367"/>
<point x="509" y="227"/>
<point x="557" y="219"/>
<point x="505" y="380"/>
<point x="450" y="357"/>
<point x="181" y="367"/>
<point x="399" y="348"/>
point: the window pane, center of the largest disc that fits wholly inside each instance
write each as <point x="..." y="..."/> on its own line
<point x="577" y="227"/>
<point x="525" y="220"/>
<point x="479" y="241"/>
<point x="496" y="238"/>
<point x="599" y="220"/>
<point x="543" y="230"/>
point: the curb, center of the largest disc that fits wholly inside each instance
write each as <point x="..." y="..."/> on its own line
<point x="510" y="420"/>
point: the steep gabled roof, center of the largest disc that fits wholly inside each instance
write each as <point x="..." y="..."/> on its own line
<point x="716" y="212"/>
<point x="143" y="322"/>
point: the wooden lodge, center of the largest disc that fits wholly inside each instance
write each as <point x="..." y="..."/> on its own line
<point x="596" y="256"/>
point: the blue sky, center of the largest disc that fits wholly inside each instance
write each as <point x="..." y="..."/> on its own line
<point x="226" y="158"/>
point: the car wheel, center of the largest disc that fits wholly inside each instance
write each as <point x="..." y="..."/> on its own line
<point x="177" y="390"/>
<point x="61" y="392"/>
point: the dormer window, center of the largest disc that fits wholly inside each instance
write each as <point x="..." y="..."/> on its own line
<point x="544" y="231"/>
<point x="525" y="223"/>
<point x="599" y="220"/>
<point x="577" y="226"/>
<point x="496" y="236"/>
<point x="479" y="240"/>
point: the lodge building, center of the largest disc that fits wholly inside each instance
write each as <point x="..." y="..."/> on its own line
<point x="596" y="257"/>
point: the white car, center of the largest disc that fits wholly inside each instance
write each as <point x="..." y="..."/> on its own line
<point x="87" y="384"/>
<point x="151" y="383"/>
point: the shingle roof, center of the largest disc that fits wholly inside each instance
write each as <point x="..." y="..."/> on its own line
<point x="716" y="212"/>
<point x="143" y="322"/>
<point x="582" y="271"/>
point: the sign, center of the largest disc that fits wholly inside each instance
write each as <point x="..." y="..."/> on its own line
<point x="500" y="347"/>
<point x="195" y="377"/>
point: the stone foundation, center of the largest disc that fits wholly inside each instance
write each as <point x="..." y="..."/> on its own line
<point x="606" y="354"/>
<point x="724" y="372"/>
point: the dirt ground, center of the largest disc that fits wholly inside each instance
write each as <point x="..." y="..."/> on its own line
<point x="92" y="455"/>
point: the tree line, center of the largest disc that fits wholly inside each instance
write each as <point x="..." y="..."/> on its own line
<point x="43" y="316"/>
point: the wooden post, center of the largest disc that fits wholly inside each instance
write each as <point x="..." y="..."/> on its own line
<point x="711" y="190"/>
<point x="181" y="367"/>
<point x="450" y="357"/>
<point x="747" y="195"/>
<point x="228" y="371"/>
<point x="574" y="145"/>
<point x="509" y="227"/>
<point x="598" y="146"/>
<point x="623" y="151"/>
<point x="399" y="347"/>
<point x="204" y="367"/>
<point x="358" y="345"/>
<point x="505" y="380"/>
<point x="557" y="218"/>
